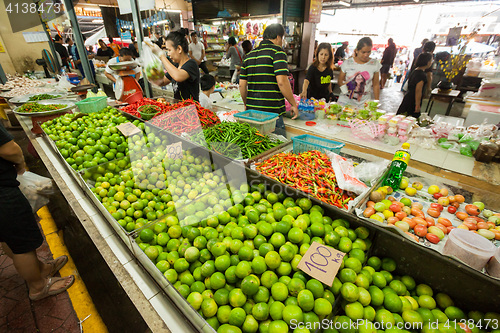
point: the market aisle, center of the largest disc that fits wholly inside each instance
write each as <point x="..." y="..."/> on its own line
<point x="59" y="313"/>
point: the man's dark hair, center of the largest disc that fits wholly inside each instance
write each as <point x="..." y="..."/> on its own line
<point x="273" y="31"/>
<point x="110" y="39"/>
<point x="194" y="34"/>
<point x="125" y="52"/>
<point x="57" y="38"/>
<point x="184" y="31"/>
<point x="231" y="41"/>
<point x="429" y="47"/>
<point x="423" y="59"/>
<point x="67" y="40"/>
<point x="100" y="40"/>
<point x="207" y="81"/>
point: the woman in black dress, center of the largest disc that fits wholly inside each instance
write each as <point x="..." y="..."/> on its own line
<point x="413" y="99"/>
<point x="318" y="79"/>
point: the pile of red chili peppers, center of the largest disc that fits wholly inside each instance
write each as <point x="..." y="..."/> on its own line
<point x="132" y="108"/>
<point x="310" y="172"/>
<point x="184" y="119"/>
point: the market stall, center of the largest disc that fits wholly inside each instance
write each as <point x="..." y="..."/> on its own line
<point x="197" y="237"/>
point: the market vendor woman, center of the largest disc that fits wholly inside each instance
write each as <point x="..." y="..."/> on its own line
<point x="318" y="79"/>
<point x="358" y="75"/>
<point x="185" y="77"/>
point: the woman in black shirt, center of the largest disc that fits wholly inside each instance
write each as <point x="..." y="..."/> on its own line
<point x="104" y="50"/>
<point x="185" y="77"/>
<point x="318" y="79"/>
<point x="418" y="79"/>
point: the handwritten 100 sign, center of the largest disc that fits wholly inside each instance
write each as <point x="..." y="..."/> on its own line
<point x="321" y="262"/>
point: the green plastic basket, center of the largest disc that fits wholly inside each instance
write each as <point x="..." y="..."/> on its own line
<point x="92" y="104"/>
<point x="306" y="142"/>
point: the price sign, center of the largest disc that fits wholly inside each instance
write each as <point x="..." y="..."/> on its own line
<point x="128" y="129"/>
<point x="174" y="150"/>
<point x="321" y="262"/>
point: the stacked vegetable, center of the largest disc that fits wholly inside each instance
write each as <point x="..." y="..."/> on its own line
<point x="235" y="140"/>
<point x="41" y="97"/>
<point x="310" y="172"/>
<point x="35" y="107"/>
<point x="185" y="117"/>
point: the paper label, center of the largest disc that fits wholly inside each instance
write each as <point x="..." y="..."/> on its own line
<point x="128" y="129"/>
<point x="174" y="150"/>
<point x="321" y="262"/>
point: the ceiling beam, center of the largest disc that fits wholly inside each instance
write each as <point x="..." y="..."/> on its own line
<point x="365" y="4"/>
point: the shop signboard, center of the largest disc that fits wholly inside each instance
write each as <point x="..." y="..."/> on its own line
<point x="453" y="36"/>
<point x="315" y="7"/>
<point x="125" y="35"/>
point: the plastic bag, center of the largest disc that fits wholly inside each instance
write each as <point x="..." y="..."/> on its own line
<point x="345" y="175"/>
<point x="63" y="84"/>
<point x="152" y="64"/>
<point x="370" y="171"/>
<point x="35" y="188"/>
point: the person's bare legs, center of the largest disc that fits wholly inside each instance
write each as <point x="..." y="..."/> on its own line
<point x="383" y="80"/>
<point x="31" y="269"/>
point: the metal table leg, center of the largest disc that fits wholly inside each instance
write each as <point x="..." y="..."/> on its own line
<point x="428" y="109"/>
<point x="450" y="105"/>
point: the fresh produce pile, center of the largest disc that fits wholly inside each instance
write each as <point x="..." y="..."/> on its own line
<point x="19" y="91"/>
<point x="41" y="97"/>
<point x="185" y="117"/>
<point x="132" y="108"/>
<point x="435" y="218"/>
<point x="148" y="188"/>
<point x="89" y="140"/>
<point x="374" y="300"/>
<point x="310" y="172"/>
<point x="235" y="140"/>
<point x="14" y="82"/>
<point x="35" y="107"/>
<point x="238" y="267"/>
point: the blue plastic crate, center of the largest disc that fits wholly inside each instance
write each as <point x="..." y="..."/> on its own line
<point x="306" y="142"/>
<point x="264" y="122"/>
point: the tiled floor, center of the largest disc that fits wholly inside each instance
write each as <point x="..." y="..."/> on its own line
<point x="18" y="314"/>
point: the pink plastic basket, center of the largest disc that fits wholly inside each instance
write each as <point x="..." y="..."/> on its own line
<point x="366" y="130"/>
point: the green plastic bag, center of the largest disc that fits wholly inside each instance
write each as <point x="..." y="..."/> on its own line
<point x="465" y="150"/>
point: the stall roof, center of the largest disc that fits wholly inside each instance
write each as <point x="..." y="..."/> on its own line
<point x="343" y="4"/>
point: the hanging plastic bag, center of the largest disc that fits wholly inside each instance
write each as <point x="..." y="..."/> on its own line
<point x="152" y="64"/>
<point x="345" y="175"/>
<point x="35" y="188"/>
<point x="370" y="171"/>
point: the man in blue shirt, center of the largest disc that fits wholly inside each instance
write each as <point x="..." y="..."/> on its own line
<point x="78" y="61"/>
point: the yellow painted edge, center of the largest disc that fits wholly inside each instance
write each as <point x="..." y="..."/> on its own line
<point x="80" y="298"/>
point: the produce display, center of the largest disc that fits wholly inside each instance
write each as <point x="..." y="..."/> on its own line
<point x="310" y="172"/>
<point x="373" y="300"/>
<point x="41" y="97"/>
<point x="14" y="82"/>
<point x="35" y="107"/>
<point x="235" y="140"/>
<point x="238" y="268"/>
<point x="132" y="108"/>
<point x="92" y="139"/>
<point x="432" y="214"/>
<point x="20" y="91"/>
<point x="185" y="116"/>
<point x="345" y="113"/>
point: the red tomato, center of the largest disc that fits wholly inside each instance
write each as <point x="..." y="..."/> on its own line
<point x="420" y="230"/>
<point x="462" y="215"/>
<point x="417" y="212"/>
<point x="433" y="212"/>
<point x="432" y="238"/>
<point x="437" y="195"/>
<point x="410" y="222"/>
<point x="430" y="221"/>
<point x="392" y="220"/>
<point x="415" y="238"/>
<point x="395" y="208"/>
<point x="472" y="210"/>
<point x="370" y="204"/>
<point x="470" y="225"/>
<point x="437" y="206"/>
<point x="452" y="209"/>
<point x="444" y="221"/>
<point x="419" y="220"/>
<point x="400" y="215"/>
<point x="442" y="227"/>
<point x="483" y="225"/>
<point x="450" y="228"/>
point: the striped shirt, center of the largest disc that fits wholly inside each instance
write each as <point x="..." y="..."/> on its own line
<point x="260" y="68"/>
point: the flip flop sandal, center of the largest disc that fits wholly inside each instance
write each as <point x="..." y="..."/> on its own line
<point x="46" y="292"/>
<point x="57" y="264"/>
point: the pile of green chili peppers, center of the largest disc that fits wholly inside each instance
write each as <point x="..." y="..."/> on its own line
<point x="235" y="140"/>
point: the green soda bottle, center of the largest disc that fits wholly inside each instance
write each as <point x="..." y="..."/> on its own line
<point x="398" y="167"/>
